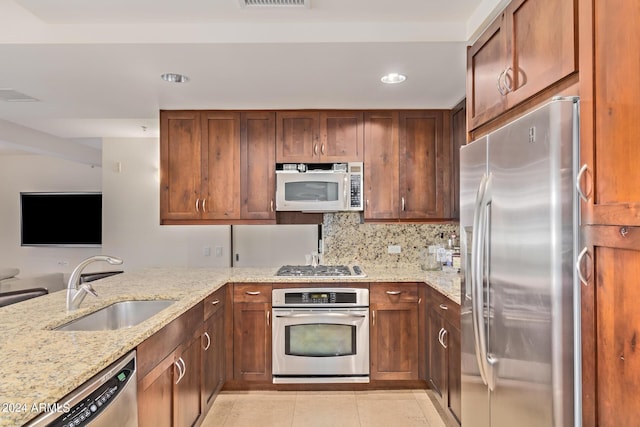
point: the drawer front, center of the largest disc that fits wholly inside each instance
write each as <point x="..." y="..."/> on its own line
<point x="214" y="302"/>
<point x="447" y="308"/>
<point x="253" y="292"/>
<point x="393" y="293"/>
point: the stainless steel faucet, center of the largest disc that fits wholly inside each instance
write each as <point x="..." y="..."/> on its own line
<point x="75" y="291"/>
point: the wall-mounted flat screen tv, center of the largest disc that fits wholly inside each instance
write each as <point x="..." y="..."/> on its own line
<point x="61" y="219"/>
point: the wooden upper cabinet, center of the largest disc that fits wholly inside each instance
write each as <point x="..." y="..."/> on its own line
<point x="407" y="157"/>
<point x="319" y="137"/>
<point x="610" y="107"/>
<point x="258" y="165"/>
<point x="381" y="173"/>
<point x="221" y="165"/>
<point x="425" y="154"/>
<point x="180" y="164"/>
<point x="529" y="47"/>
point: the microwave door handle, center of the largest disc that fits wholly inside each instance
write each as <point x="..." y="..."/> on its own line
<point x="346" y="192"/>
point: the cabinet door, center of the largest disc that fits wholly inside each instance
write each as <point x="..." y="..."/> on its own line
<point x="341" y="136"/>
<point x="436" y="354"/>
<point x="486" y="62"/>
<point x="155" y="396"/>
<point x="213" y="357"/>
<point x="542" y="45"/>
<point x="221" y="165"/>
<point x="425" y="153"/>
<point x="454" y="373"/>
<point x="297" y="139"/>
<point x="381" y="165"/>
<point x="394" y="341"/>
<point x="180" y="164"/>
<point x="258" y="165"/>
<point x="252" y="341"/>
<point x="610" y="107"/>
<point x="186" y="390"/>
<point x="610" y="324"/>
<point x="458" y="138"/>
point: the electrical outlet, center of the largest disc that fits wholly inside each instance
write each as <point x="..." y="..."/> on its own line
<point x="206" y="251"/>
<point x="218" y="251"/>
<point x="394" y="249"/>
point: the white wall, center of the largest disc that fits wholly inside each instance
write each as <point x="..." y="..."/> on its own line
<point x="30" y="172"/>
<point x="131" y="208"/>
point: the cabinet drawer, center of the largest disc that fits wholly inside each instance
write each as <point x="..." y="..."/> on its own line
<point x="214" y="302"/>
<point x="155" y="348"/>
<point x="255" y="292"/>
<point x="447" y="308"/>
<point x="393" y="293"/>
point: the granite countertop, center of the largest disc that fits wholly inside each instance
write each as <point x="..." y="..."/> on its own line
<point x="41" y="366"/>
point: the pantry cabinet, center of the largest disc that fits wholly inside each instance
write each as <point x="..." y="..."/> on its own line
<point x="252" y="332"/>
<point x="407" y="165"/>
<point x="530" y="46"/>
<point x="443" y="352"/>
<point x="610" y="206"/>
<point x="394" y="331"/>
<point x="319" y="136"/>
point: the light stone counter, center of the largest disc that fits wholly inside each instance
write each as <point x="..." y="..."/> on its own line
<point x="41" y="366"/>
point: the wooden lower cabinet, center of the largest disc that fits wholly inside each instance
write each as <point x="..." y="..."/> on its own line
<point x="394" y="331"/>
<point x="169" y="369"/>
<point x="252" y="332"/>
<point x="443" y="352"/>
<point x="213" y="347"/>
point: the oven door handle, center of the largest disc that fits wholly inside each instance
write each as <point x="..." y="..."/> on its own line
<point x="299" y="315"/>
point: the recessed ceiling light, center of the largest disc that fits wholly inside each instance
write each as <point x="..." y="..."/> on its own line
<point x="392" y="78"/>
<point x="174" y="78"/>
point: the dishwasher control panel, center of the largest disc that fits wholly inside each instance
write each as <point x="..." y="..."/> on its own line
<point x="82" y="413"/>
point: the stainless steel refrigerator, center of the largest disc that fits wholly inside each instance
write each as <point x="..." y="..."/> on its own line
<point x="519" y="234"/>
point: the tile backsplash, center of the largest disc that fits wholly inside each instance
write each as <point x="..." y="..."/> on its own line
<point x="347" y="241"/>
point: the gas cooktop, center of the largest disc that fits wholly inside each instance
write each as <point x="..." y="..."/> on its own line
<point x="321" y="271"/>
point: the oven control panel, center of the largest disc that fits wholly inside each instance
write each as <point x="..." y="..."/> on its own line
<point x="316" y="297"/>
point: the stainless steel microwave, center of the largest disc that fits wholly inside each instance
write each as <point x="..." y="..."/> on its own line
<point x="319" y="187"/>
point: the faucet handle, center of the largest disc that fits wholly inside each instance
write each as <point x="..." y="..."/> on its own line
<point x="89" y="289"/>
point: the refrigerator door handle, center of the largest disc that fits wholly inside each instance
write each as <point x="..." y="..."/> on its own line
<point x="478" y="242"/>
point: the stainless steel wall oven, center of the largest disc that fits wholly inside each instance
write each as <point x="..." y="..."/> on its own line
<point x="320" y="335"/>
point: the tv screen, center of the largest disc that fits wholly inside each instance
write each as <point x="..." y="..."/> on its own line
<point x="61" y="219"/>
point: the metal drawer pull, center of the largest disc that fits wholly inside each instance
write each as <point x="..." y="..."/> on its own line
<point x="583" y="252"/>
<point x="444" y="306"/>
<point x="252" y="292"/>
<point x="394" y="292"/>
<point x="215" y="302"/>
<point x="206" y="334"/>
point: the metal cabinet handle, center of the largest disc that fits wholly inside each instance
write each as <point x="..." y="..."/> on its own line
<point x="403" y="204"/>
<point x="206" y="335"/>
<point x="507" y="83"/>
<point x="215" y="302"/>
<point x="502" y="91"/>
<point x="198" y="204"/>
<point x="585" y="280"/>
<point x="252" y="292"/>
<point x="444" y="335"/>
<point x="315" y="149"/>
<point x="373" y="317"/>
<point x="394" y="292"/>
<point x="181" y="370"/>
<point x="444" y="306"/>
<point x="268" y="317"/>
<point x="584" y="196"/>
<point x="271" y="206"/>
<point x="204" y="205"/>
<point x="322" y="149"/>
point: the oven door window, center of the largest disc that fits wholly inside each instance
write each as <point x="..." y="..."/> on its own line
<point x="320" y="340"/>
<point x="311" y="191"/>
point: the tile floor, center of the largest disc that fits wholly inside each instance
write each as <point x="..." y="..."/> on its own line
<point x="396" y="408"/>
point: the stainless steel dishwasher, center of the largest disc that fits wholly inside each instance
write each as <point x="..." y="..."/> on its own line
<point x="107" y="399"/>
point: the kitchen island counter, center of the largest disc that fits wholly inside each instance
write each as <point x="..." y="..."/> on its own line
<point x="40" y="366"/>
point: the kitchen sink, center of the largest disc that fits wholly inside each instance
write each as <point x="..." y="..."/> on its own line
<point x="119" y="315"/>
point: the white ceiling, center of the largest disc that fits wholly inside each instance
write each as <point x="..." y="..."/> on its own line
<point x="95" y="65"/>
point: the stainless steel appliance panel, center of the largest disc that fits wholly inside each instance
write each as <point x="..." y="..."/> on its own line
<point x="521" y="273"/>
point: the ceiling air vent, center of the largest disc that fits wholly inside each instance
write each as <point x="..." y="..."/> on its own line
<point x="275" y="3"/>
<point x="10" y="95"/>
